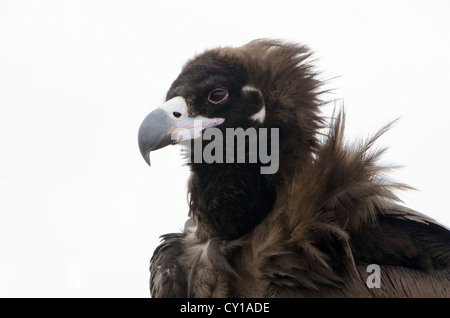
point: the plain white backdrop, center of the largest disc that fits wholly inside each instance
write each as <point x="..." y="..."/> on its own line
<point x="81" y="212"/>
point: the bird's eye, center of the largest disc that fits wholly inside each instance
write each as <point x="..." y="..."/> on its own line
<point x="217" y="96"/>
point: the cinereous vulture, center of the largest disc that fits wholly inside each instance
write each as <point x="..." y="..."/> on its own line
<point x="322" y="219"/>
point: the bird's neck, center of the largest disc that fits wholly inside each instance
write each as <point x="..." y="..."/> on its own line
<point x="228" y="200"/>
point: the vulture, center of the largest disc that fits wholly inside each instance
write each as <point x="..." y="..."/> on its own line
<point x="280" y="205"/>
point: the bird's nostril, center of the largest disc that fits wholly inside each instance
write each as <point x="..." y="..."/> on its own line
<point x="177" y="114"/>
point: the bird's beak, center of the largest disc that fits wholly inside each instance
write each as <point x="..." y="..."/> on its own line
<point x="170" y="124"/>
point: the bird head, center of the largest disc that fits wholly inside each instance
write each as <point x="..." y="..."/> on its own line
<point x="265" y="83"/>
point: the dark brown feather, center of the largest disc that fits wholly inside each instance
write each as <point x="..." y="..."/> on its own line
<point x="326" y="215"/>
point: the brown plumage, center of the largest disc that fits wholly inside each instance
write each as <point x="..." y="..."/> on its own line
<point x="312" y="228"/>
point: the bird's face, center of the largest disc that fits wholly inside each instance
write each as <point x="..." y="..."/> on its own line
<point x="211" y="91"/>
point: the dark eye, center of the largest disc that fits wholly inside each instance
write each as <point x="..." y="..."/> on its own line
<point x="217" y="96"/>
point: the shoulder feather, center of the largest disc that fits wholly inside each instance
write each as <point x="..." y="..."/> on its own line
<point x="337" y="214"/>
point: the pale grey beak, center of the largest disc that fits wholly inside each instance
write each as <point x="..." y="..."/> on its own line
<point x="170" y="124"/>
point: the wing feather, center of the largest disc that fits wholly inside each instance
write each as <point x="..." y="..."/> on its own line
<point x="167" y="276"/>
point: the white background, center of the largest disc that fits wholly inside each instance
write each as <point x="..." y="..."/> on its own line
<point x="81" y="212"/>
